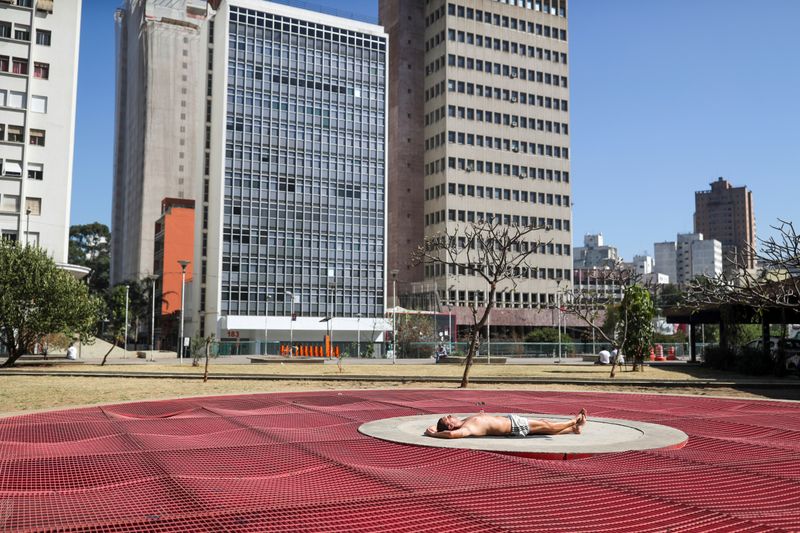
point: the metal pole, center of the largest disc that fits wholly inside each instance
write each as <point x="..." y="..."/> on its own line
<point x="152" y="318"/>
<point x="488" y="335"/>
<point x="359" y="335"/>
<point x="291" y="323"/>
<point x="558" y="303"/>
<point x="394" y="316"/>
<point x="180" y="338"/>
<point x="125" y="350"/>
<point x="28" y="227"/>
<point x="266" y="325"/>
<point x="183" y="264"/>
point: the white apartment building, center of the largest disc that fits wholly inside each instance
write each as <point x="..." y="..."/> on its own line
<point x="38" y="88"/>
<point x="688" y="257"/>
<point x="292" y="223"/>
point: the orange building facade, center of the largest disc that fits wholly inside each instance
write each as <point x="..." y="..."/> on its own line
<point x="173" y="242"/>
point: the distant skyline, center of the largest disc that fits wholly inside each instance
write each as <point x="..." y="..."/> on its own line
<point x="664" y="100"/>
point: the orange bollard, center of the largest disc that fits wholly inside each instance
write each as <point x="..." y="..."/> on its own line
<point x="652" y="354"/>
<point x="659" y="350"/>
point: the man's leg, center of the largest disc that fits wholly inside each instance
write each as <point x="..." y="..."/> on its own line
<point x="547" y="427"/>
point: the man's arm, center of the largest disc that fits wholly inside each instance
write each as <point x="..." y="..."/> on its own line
<point x="449" y="434"/>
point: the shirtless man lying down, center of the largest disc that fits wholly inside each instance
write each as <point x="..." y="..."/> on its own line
<point x="481" y="425"/>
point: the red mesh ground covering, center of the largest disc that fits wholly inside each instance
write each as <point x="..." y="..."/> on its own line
<point x="288" y="462"/>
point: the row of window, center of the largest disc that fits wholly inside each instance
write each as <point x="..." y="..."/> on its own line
<point x="487" y="91"/>
<point x="503" y="21"/>
<point x="461" y="215"/>
<point x="9" y="203"/>
<point x="514" y="121"/>
<point x="497" y="193"/>
<point x="14" y="134"/>
<point x="471" y="165"/>
<point x="13" y="168"/>
<point x="496" y="143"/>
<point x="552" y="7"/>
<point x="509" y="47"/>
<point x="501" y="69"/>
<point x="18" y="100"/>
<point x="19" y="65"/>
<point x="22" y="32"/>
<point x="252" y="17"/>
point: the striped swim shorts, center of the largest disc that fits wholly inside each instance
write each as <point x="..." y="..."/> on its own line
<point x="519" y="426"/>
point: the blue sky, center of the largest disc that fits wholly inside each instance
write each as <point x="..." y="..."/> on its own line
<point x="665" y="97"/>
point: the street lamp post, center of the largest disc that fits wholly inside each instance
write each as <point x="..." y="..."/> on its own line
<point x="152" y="317"/>
<point x="125" y="350"/>
<point x="558" y="305"/>
<point x="394" y="315"/>
<point x="28" y="227"/>
<point x="358" y="321"/>
<point x="183" y="263"/>
<point x="291" y="322"/>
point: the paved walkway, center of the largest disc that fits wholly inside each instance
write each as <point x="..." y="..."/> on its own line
<point x="296" y="461"/>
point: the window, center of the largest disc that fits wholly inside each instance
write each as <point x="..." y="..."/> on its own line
<point x="9" y="235"/>
<point x="5" y="29"/>
<point x="22" y="33"/>
<point x="19" y="66"/>
<point x="38" y="104"/>
<point x="41" y="70"/>
<point x="43" y="37"/>
<point x="36" y="171"/>
<point x="9" y="202"/>
<point x="16" y="99"/>
<point x="2" y="137"/>
<point x="3" y="96"/>
<point x="13" y="168"/>
<point x="37" y="137"/>
<point x="4" y="63"/>
<point x="14" y="134"/>
<point x="34" y="205"/>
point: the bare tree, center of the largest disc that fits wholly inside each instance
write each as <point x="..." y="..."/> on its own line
<point x="489" y="250"/>
<point x="595" y="308"/>
<point x="775" y="285"/>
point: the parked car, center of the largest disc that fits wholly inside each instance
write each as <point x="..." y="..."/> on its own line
<point x="791" y="348"/>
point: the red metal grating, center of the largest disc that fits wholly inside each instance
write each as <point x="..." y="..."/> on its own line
<point x="295" y="461"/>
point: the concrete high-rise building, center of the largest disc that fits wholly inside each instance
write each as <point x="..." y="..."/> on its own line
<point x="594" y="253"/>
<point x="295" y="186"/>
<point x="160" y="121"/>
<point x="479" y="129"/>
<point x="726" y="213"/>
<point x="688" y="257"/>
<point x="38" y="88"/>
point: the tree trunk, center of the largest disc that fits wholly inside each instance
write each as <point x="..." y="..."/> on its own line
<point x="473" y="343"/>
<point x="12" y="358"/>
<point x="113" y="345"/>
<point x="205" y="371"/>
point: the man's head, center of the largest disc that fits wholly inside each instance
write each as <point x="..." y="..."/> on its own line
<point x="447" y="423"/>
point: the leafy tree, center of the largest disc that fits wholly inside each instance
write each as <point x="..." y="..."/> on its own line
<point x="547" y="335"/>
<point x="38" y="299"/>
<point x="637" y="312"/>
<point x="89" y="247"/>
<point x="494" y="253"/>
<point x="115" y="318"/>
<point x="413" y="328"/>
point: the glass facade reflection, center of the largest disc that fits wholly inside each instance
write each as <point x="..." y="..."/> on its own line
<point x="305" y="168"/>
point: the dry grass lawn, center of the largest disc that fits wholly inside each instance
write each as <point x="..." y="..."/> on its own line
<point x="33" y="393"/>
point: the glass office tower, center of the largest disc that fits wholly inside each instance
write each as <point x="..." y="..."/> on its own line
<point x="298" y="223"/>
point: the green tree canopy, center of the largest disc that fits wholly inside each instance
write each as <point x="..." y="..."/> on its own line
<point x="37" y="299"/>
<point x="636" y="317"/>
<point x="546" y="335"/>
<point x="89" y="247"/>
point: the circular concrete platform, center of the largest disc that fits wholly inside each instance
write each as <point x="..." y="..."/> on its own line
<point x="599" y="435"/>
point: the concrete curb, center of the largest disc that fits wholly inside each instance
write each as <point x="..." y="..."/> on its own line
<point x="752" y="384"/>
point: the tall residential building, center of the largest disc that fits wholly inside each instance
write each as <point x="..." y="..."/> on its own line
<point x="726" y="213"/>
<point x="480" y="130"/>
<point x="160" y="121"/>
<point x="293" y="222"/>
<point x="38" y="88"/>
<point x="688" y="257"/>
<point x="594" y="253"/>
